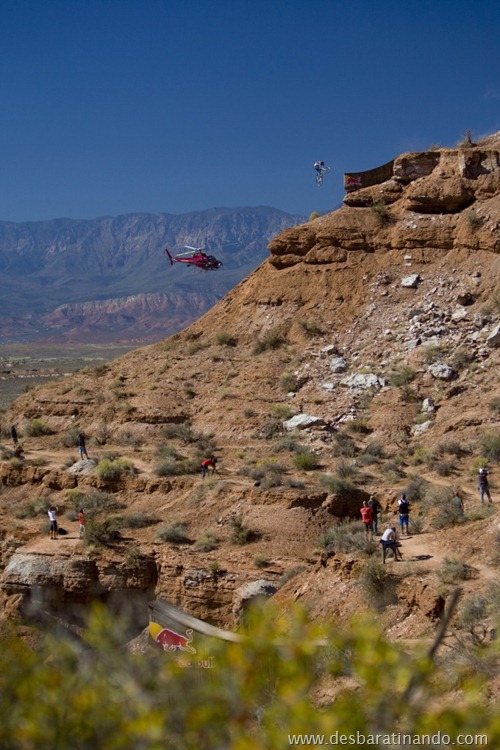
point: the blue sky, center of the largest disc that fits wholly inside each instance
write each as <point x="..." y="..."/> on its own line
<point x="117" y="106"/>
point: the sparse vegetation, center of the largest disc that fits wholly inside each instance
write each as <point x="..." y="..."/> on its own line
<point x="289" y="382"/>
<point x="402" y="377"/>
<point x="490" y="446"/>
<point x="111" y="470"/>
<point x="138" y="520"/>
<point x="310" y="328"/>
<point x="206" y="542"/>
<point x="270" y="341"/>
<point x="240" y="532"/>
<point x="223" y="338"/>
<point x="289" y="574"/>
<point x="101" y="531"/>
<point x="380" y="210"/>
<point x="474" y="220"/>
<point x="37" y="428"/>
<point x="336" y="485"/>
<point x="306" y="461"/>
<point x="348" y="536"/>
<point x="375" y="580"/>
<point x="175" y="533"/>
<point x="495" y="405"/>
<point x="453" y="570"/>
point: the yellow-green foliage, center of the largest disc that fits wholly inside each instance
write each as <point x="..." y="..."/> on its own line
<point x="108" y="469"/>
<point x="259" y="693"/>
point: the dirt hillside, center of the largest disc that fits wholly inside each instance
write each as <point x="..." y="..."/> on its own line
<point x="360" y="359"/>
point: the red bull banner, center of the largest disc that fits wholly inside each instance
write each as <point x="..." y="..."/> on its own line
<point x="357" y="180"/>
<point x="186" y="638"/>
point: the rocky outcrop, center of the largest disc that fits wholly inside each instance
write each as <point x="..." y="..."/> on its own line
<point x="67" y="585"/>
<point x="436" y="199"/>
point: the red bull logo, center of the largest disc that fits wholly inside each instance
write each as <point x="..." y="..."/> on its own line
<point x="170" y="640"/>
<point x="351" y="181"/>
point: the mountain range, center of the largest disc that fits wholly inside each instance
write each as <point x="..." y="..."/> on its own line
<point x="108" y="280"/>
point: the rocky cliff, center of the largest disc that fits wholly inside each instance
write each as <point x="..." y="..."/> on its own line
<point x="360" y="359"/>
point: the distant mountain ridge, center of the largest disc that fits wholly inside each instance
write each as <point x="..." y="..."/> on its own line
<point x="107" y="279"/>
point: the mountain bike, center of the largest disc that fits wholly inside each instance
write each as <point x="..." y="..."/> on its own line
<point x="320" y="175"/>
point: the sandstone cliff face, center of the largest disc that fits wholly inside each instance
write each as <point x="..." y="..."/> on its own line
<point x="422" y="206"/>
<point x="377" y="327"/>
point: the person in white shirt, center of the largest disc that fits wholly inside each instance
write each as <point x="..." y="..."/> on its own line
<point x="389" y="540"/>
<point x="53" y="521"/>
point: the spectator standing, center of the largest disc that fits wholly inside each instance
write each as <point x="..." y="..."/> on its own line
<point x="13" y="434"/>
<point x="82" y="450"/>
<point x="367" y="518"/>
<point x="376" y="510"/>
<point x="81" y="521"/>
<point x="484" y="486"/>
<point x="52" y="513"/>
<point x="404" y="514"/>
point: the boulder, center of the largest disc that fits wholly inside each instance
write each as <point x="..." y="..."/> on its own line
<point x="411" y="282"/>
<point x="442" y="372"/>
<point x="302" y="422"/>
<point x="250" y="593"/>
<point x="494" y="337"/>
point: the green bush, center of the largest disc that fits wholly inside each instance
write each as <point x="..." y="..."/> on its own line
<point x="490" y="446"/>
<point x="240" y="532"/>
<point x="336" y="485"/>
<point x="376" y="581"/>
<point x="224" y="338"/>
<point x="453" y="570"/>
<point x="306" y="461"/>
<point x="344" y="445"/>
<point x="90" y="693"/>
<point x="495" y="405"/>
<point x="401" y="377"/>
<point x="347" y="536"/>
<point x="446" y="508"/>
<point x="101" y="531"/>
<point x="310" y="328"/>
<point x="270" y="341"/>
<point x="138" y="520"/>
<point x="37" y="507"/>
<point x="110" y="470"/>
<point x="37" y="428"/>
<point x="175" y="533"/>
<point x="289" y="382"/>
<point x="282" y="411"/>
<point x="380" y="210"/>
<point x="206" y="542"/>
<point x="170" y="467"/>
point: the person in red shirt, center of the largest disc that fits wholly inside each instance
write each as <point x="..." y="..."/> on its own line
<point x="207" y="464"/>
<point x="367" y="518"/>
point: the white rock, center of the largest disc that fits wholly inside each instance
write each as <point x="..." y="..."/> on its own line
<point x="419" y="429"/>
<point x="441" y="372"/>
<point x="302" y="422"/>
<point x="494" y="337"/>
<point x="363" y="381"/>
<point x="338" y="364"/>
<point x="411" y="282"/>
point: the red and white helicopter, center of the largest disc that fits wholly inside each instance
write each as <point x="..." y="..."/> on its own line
<point x="195" y="256"/>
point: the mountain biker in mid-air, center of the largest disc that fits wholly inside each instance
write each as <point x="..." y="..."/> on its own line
<point x="321" y="170"/>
